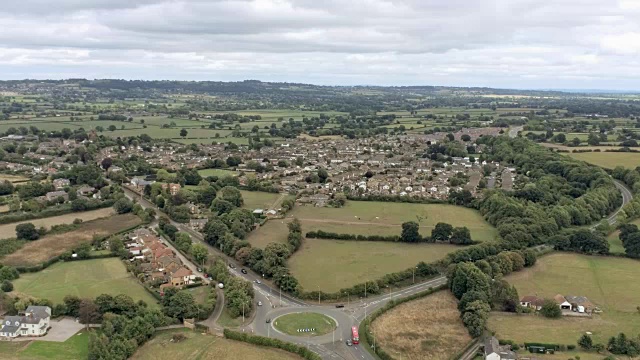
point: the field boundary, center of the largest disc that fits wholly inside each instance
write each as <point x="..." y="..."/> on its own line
<point x="366" y="323"/>
<point x="274" y="343"/>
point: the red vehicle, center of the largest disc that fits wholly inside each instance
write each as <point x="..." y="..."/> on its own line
<point x="354" y="335"/>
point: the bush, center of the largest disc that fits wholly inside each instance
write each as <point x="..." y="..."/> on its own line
<point x="550" y="309"/>
<point x="274" y="343"/>
<point x="27" y="231"/>
<point x="7" y="286"/>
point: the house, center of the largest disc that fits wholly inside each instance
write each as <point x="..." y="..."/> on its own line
<point x="532" y="302"/>
<point x="493" y="350"/>
<point x="60" y="184"/>
<point x="34" y="322"/>
<point x="181" y="277"/>
<point x="562" y="302"/>
<point x="85" y="190"/>
<point x="140" y="182"/>
<point x="580" y="304"/>
<point x="172" y="188"/>
<point x="54" y="195"/>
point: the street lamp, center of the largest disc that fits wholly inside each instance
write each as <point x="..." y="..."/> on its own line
<point x="318" y="294"/>
<point x="414" y="274"/>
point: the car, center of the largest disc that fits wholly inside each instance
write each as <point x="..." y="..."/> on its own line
<point x="244" y="271"/>
<point x="268" y="320"/>
<point x="199" y="270"/>
<point x="258" y="282"/>
<point x="259" y="303"/>
<point x="338" y="306"/>
<point x="349" y="343"/>
<point x="232" y="266"/>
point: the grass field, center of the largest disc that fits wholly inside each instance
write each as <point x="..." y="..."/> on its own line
<point x="291" y="323"/>
<point x="609" y="160"/>
<point x="370" y="217"/>
<point x="333" y="265"/>
<point x="38" y="251"/>
<point x="205" y="347"/>
<point x="12" y="178"/>
<point x="427" y="328"/>
<point x="75" y="348"/>
<point x="258" y="200"/>
<point x="9" y="230"/>
<point x="615" y="244"/>
<point x="216" y="172"/>
<point x="86" y="278"/>
<point x="609" y="282"/>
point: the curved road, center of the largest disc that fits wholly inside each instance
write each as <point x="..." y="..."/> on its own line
<point x="330" y="346"/>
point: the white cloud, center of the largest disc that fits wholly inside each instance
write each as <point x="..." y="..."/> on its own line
<point x="514" y="43"/>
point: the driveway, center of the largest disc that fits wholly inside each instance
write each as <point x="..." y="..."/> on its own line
<point x="61" y="330"/>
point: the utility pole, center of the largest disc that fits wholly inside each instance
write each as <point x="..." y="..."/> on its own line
<point x="243" y="313"/>
<point x="318" y="294"/>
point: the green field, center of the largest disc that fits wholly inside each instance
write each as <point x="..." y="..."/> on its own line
<point x="385" y="218"/>
<point x="609" y="160"/>
<point x="615" y="244"/>
<point x="333" y="265"/>
<point x="274" y="230"/>
<point x="75" y="348"/>
<point x="216" y="172"/>
<point x="259" y="200"/>
<point x="291" y="323"/>
<point x="609" y="282"/>
<point x="85" y="278"/>
<point x="205" y="347"/>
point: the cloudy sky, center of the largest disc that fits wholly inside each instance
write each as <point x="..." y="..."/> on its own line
<point x="576" y="44"/>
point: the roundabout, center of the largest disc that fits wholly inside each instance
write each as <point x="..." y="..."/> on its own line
<point x="304" y="324"/>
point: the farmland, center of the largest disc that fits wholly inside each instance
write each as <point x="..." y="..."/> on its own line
<point x="75" y="348"/>
<point x="609" y="160"/>
<point x="85" y="279"/>
<point x="426" y="328"/>
<point x="205" y="347"/>
<point x="9" y="230"/>
<point x="259" y="200"/>
<point x="38" y="251"/>
<point x="273" y="231"/>
<point x="333" y="265"/>
<point x="610" y="283"/>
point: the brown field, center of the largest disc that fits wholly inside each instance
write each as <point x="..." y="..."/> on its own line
<point x="427" y="328"/>
<point x="13" y="178"/>
<point x="36" y="252"/>
<point x="9" y="230"/>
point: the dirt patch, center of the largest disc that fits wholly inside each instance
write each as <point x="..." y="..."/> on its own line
<point x="49" y="246"/>
<point x="427" y="328"/>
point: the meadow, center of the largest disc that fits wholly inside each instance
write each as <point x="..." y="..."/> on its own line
<point x="609" y="282"/>
<point x="259" y="200"/>
<point x="205" y="347"/>
<point x="216" y="172"/>
<point x="609" y="160"/>
<point x="615" y="244"/>
<point x="9" y="230"/>
<point x="85" y="278"/>
<point x="426" y="328"/>
<point x="332" y="265"/>
<point x="49" y="246"/>
<point x="75" y="348"/>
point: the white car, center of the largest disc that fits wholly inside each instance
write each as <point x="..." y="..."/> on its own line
<point x="259" y="303"/>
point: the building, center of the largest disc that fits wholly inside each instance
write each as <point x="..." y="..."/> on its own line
<point x="182" y="277"/>
<point x="532" y="302"/>
<point x="60" y="184"/>
<point x="494" y="351"/>
<point x="562" y="302"/>
<point x="54" y="195"/>
<point x="34" y="322"/>
<point x="580" y="304"/>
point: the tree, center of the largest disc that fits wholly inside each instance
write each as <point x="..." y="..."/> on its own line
<point x="441" y="232"/>
<point x="465" y="138"/>
<point x="183" y="132"/>
<point x="232" y="195"/>
<point x="214" y="230"/>
<point x="475" y="317"/>
<point x="323" y="175"/>
<point x="585" y="342"/>
<point x="200" y="253"/>
<point x="88" y="312"/>
<point x="461" y="235"/>
<point x="550" y="309"/>
<point x="72" y="303"/>
<point x="123" y="206"/>
<point x="180" y="305"/>
<point x="112" y="128"/>
<point x="410" y="232"/>
<point x="106" y="163"/>
<point x="6" y="286"/>
<point x="27" y="231"/>
<point x="631" y="243"/>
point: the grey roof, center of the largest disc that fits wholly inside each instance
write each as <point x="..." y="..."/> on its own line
<point x="9" y="329"/>
<point x="490" y="345"/>
<point x="40" y="311"/>
<point x="9" y="324"/>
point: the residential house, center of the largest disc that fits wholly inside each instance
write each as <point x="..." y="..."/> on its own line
<point x="494" y="351"/>
<point x="60" y="184"/>
<point x="580" y="304"/>
<point x="85" y="190"/>
<point x="34" y="322"/>
<point x="172" y="188"/>
<point x="182" y="277"/>
<point x="532" y="302"/>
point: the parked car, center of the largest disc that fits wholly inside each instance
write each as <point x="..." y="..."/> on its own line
<point x="258" y="282"/>
<point x="349" y="343"/>
<point x="339" y="306"/>
<point x="259" y="303"/>
<point x="244" y="271"/>
<point x="232" y="266"/>
<point x="268" y="320"/>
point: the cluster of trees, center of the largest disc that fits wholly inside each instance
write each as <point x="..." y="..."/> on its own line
<point x="444" y="232"/>
<point x="630" y="236"/>
<point x="238" y="292"/>
<point x="580" y="240"/>
<point x="183" y="242"/>
<point x="618" y="345"/>
<point x="560" y="192"/>
<point x="479" y="286"/>
<point x="7" y="274"/>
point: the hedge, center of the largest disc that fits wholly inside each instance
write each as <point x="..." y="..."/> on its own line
<point x="335" y="236"/>
<point x="400" y="199"/>
<point x="364" y="325"/>
<point x="270" y="342"/>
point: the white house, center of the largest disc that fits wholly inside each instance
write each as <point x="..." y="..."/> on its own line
<point x="34" y="322"/>
<point x="493" y="350"/>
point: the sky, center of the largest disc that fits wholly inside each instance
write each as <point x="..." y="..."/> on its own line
<point x="525" y="44"/>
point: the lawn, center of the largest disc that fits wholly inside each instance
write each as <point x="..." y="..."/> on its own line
<point x="609" y="160"/>
<point x="75" y="348"/>
<point x="9" y="230"/>
<point x="609" y="282"/>
<point x="291" y="323"/>
<point x="38" y="251"/>
<point x="200" y="293"/>
<point x="85" y="278"/>
<point x="205" y="347"/>
<point x="274" y="230"/>
<point x="216" y="172"/>
<point x="385" y="218"/>
<point x="333" y="265"/>
<point x="259" y="200"/>
<point x="426" y="328"/>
